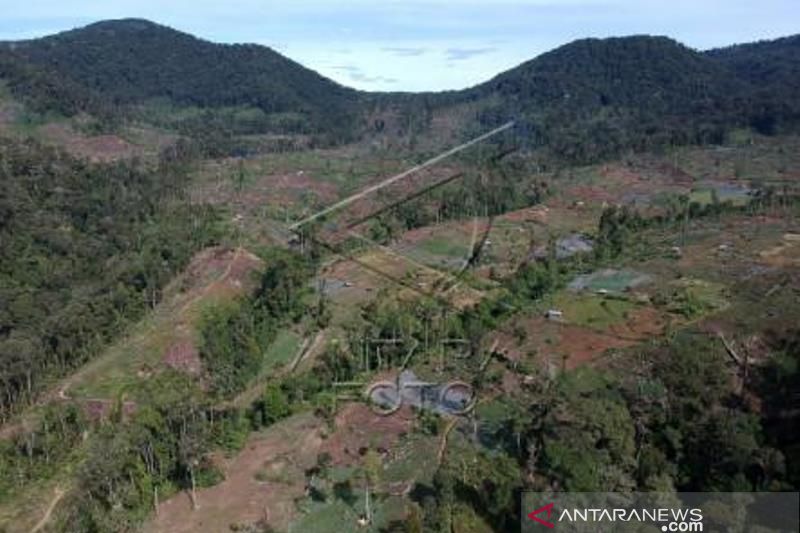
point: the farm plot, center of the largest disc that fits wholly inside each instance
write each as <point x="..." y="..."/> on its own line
<point x="359" y="280"/>
<point x="581" y="327"/>
<point x="592" y="311"/>
<point x="609" y="280"/>
<point x="445" y="246"/>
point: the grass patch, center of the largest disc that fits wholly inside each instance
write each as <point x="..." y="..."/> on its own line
<point x="467" y="520"/>
<point x="701" y="196"/>
<point x="591" y="311"/>
<point x="694" y="298"/>
<point x="119" y="370"/>
<point x="609" y="280"/>
<point x="416" y="460"/>
<point x="337" y="515"/>
<point x="443" y="246"/>
<point x="282" y="350"/>
<point x="319" y="517"/>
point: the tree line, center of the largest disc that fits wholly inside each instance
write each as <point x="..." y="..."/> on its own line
<point x="85" y="251"/>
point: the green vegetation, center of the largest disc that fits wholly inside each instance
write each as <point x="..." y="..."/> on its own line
<point x="42" y="451"/>
<point x="236" y="337"/>
<point x="281" y="352"/>
<point x="86" y="250"/>
<point x="596" y="312"/>
<point x="134" y="459"/>
<point x="589" y="100"/>
<point x="693" y="298"/>
<point x="445" y="247"/>
<point x="595" y="98"/>
<point x="123" y="62"/>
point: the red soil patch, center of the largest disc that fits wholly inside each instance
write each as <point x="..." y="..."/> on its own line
<point x="98" y="148"/>
<point x="364" y="284"/>
<point x="298" y="183"/>
<point x="572" y="345"/>
<point x="358" y="428"/>
<point x="581" y="345"/>
<point x="677" y="175"/>
<point x="273" y="189"/>
<point x="590" y="193"/>
<point x="465" y="228"/>
<point x="620" y="174"/>
<point x="642" y="323"/>
<point x="183" y="356"/>
<point x="228" y="267"/>
<point x="103" y="147"/>
<point x="418" y="235"/>
<point x="213" y="272"/>
<point x="510" y="383"/>
<point x="97" y="409"/>
<point x="538" y="214"/>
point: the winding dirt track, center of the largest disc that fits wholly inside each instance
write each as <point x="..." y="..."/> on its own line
<point x="61" y="393"/>
<point x="59" y="493"/>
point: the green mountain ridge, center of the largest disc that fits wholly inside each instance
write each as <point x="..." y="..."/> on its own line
<point x="132" y="61"/>
<point x="586" y="100"/>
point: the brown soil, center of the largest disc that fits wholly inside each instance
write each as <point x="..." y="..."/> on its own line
<point x="98" y="409"/>
<point x="537" y="214"/>
<point x="572" y="345"/>
<point x="463" y="230"/>
<point x="219" y="270"/>
<point x="241" y="497"/>
<point x="590" y="194"/>
<point x="103" y="148"/>
<point x="182" y="355"/>
<point x="273" y="189"/>
<point x="358" y="428"/>
<point x="786" y="254"/>
<point x="213" y="272"/>
<point x="643" y="323"/>
<point x="581" y="345"/>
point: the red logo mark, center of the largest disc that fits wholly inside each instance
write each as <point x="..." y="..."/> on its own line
<point x="548" y="509"/>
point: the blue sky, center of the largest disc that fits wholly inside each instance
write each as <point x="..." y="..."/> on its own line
<point x="419" y="44"/>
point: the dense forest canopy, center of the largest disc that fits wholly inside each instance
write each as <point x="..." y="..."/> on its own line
<point x="770" y="63"/>
<point x="135" y="61"/>
<point x="84" y="250"/>
<point x="594" y="98"/>
<point x="588" y="100"/>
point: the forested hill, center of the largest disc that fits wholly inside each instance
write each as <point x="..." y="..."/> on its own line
<point x="587" y="100"/>
<point x="765" y="63"/>
<point x="627" y="71"/>
<point x="594" y="98"/>
<point x="132" y="61"/>
<point x="45" y="91"/>
<point x="773" y="70"/>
